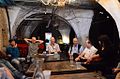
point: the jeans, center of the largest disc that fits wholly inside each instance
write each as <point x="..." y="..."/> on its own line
<point x="14" y="72"/>
<point x="17" y="63"/>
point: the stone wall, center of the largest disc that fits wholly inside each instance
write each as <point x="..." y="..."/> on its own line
<point x="80" y="19"/>
<point x="3" y="28"/>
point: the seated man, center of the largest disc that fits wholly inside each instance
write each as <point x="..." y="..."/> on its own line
<point x="75" y="49"/>
<point x="33" y="46"/>
<point x="13" y="52"/>
<point x="53" y="48"/>
<point x="88" y="52"/>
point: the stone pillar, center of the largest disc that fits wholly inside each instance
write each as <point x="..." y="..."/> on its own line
<point x="3" y="28"/>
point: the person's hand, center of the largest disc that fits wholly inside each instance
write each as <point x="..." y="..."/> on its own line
<point x="82" y="57"/>
<point x="88" y="61"/>
<point x="29" y="39"/>
<point x="40" y="41"/>
<point x="9" y="55"/>
<point x="116" y="70"/>
<point x="53" y="51"/>
<point x="59" y="51"/>
<point x="76" y="59"/>
<point x="15" y="46"/>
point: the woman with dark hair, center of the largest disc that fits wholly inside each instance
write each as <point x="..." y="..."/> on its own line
<point x="106" y="52"/>
<point x="105" y="59"/>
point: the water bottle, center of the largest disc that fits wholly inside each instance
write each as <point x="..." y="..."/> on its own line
<point x="28" y="58"/>
<point x="56" y="56"/>
<point x="39" y="75"/>
<point x="44" y="53"/>
<point x="71" y="60"/>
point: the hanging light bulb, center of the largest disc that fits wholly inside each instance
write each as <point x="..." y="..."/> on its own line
<point x="97" y="0"/>
<point x="61" y="3"/>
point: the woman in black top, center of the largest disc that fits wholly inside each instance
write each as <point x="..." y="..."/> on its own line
<point x="105" y="59"/>
<point x="107" y="52"/>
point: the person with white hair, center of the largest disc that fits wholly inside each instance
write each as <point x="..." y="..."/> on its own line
<point x="53" y="47"/>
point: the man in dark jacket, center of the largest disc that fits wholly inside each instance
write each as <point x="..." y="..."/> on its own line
<point x="75" y="49"/>
<point x="13" y="52"/>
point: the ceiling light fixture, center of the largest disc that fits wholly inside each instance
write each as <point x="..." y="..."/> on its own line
<point x="59" y="3"/>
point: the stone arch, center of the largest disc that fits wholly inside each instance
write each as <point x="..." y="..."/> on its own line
<point x="79" y="19"/>
<point x="25" y="30"/>
<point x="113" y="10"/>
<point x="103" y="24"/>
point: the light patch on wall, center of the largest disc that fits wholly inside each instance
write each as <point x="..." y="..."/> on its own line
<point x="65" y="39"/>
<point x="13" y="13"/>
<point x="65" y="35"/>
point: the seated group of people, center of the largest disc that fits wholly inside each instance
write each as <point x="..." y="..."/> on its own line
<point x="105" y="54"/>
<point x="102" y="58"/>
<point x="81" y="53"/>
<point x="10" y="62"/>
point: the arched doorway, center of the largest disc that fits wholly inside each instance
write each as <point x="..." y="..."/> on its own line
<point x="103" y="23"/>
<point x="38" y="24"/>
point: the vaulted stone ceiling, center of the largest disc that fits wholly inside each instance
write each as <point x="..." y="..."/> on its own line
<point x="86" y="4"/>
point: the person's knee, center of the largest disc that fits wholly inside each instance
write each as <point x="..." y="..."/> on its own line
<point x="21" y="59"/>
<point x="15" y="61"/>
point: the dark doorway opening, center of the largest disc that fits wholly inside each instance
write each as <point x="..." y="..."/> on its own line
<point x="40" y="31"/>
<point x="103" y="24"/>
<point x="72" y="35"/>
<point x="37" y="24"/>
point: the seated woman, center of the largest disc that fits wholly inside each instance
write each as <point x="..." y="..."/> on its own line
<point x="88" y="52"/>
<point x="105" y="59"/>
<point x="16" y="74"/>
